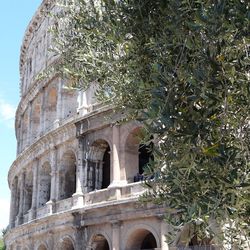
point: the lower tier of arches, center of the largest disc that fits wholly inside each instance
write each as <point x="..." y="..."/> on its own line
<point x="127" y="225"/>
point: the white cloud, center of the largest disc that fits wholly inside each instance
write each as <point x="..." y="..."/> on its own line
<point x="4" y="214"/>
<point x="7" y="113"/>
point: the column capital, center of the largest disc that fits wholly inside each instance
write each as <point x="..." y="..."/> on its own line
<point x="115" y="223"/>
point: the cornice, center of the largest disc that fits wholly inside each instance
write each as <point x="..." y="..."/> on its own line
<point x="31" y="28"/>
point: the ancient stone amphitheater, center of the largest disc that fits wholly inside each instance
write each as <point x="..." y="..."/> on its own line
<point x="74" y="183"/>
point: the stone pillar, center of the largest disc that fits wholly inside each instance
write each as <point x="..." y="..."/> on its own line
<point x="30" y="132"/>
<point x="164" y="231"/>
<point x="21" y="201"/>
<point x="21" y="137"/>
<point x="115" y="151"/>
<point x="85" y="175"/>
<point x="32" y="213"/>
<point x="78" y="195"/>
<point x="54" y="182"/>
<point x="116" y="235"/>
<point x="115" y="166"/>
<point x="13" y="204"/>
<point x="42" y="120"/>
<point x="59" y="105"/>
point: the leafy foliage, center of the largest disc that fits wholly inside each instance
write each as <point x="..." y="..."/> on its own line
<point x="181" y="67"/>
<point x="2" y="244"/>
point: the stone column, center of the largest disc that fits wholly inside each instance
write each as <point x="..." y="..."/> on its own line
<point x="21" y="201"/>
<point x="115" y="166"/>
<point x="53" y="184"/>
<point x="30" y="132"/>
<point x="164" y="232"/>
<point x="115" y="151"/>
<point x="13" y="204"/>
<point x="85" y="175"/>
<point x="59" y="105"/>
<point x="116" y="235"/>
<point x="42" y="120"/>
<point x="21" y="137"/>
<point x="78" y="195"/>
<point x="32" y="213"/>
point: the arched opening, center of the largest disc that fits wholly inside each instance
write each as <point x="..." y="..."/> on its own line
<point x="66" y="244"/>
<point x="28" y="187"/>
<point x="99" y="242"/>
<point x="99" y="165"/>
<point x="145" y="155"/>
<point x="106" y="168"/>
<point x="42" y="247"/>
<point x="68" y="175"/>
<point x="44" y="184"/>
<point x="137" y="155"/>
<point x="50" y="106"/>
<point x="36" y="116"/>
<point x="141" y="239"/>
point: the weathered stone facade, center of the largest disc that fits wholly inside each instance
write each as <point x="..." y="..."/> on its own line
<point x="72" y="183"/>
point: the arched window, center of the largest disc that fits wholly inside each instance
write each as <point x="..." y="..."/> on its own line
<point x="141" y="239"/>
<point x="99" y="242"/>
<point x="42" y="247"/>
<point x="99" y="165"/>
<point x="137" y="155"/>
<point x="28" y="187"/>
<point x="44" y="184"/>
<point x="68" y="175"/>
<point x="66" y="244"/>
<point x="145" y="155"/>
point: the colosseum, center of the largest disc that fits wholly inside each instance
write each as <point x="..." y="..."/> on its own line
<point x="73" y="183"/>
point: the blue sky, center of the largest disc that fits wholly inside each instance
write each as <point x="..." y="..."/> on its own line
<point x="14" y="18"/>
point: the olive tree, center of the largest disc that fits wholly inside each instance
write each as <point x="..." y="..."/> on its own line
<point x="181" y="67"/>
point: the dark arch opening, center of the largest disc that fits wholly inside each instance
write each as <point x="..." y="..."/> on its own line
<point x="106" y="168"/>
<point x="100" y="243"/>
<point x="68" y="175"/>
<point x="149" y="242"/>
<point x="67" y="245"/>
<point x="145" y="155"/>
<point x="141" y="239"/>
<point x="44" y="184"/>
<point x="99" y="165"/>
<point x="42" y="247"/>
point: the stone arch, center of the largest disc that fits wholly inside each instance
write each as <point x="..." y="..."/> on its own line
<point x="44" y="184"/>
<point x="142" y="238"/>
<point x="67" y="184"/>
<point x="50" y="106"/>
<point x="136" y="153"/>
<point x="28" y="188"/>
<point x="98" y="165"/>
<point x="99" y="242"/>
<point x="36" y="116"/>
<point x="52" y="99"/>
<point x="42" y="247"/>
<point x="66" y="243"/>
